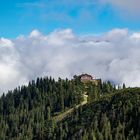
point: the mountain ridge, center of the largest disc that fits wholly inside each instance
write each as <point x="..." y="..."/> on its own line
<point x="70" y="109"/>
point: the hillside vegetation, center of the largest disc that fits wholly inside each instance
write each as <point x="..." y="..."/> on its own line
<point x="70" y="110"/>
<point x="113" y="117"/>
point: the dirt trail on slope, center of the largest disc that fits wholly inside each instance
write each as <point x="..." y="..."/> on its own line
<point x="66" y="113"/>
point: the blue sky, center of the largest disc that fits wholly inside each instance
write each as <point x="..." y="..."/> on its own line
<point x="83" y="17"/>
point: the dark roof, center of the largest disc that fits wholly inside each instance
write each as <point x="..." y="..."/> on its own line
<point x="85" y="75"/>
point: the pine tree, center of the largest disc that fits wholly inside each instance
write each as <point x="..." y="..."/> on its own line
<point x="48" y="113"/>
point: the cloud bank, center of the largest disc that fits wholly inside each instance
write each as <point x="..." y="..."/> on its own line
<point x="111" y="56"/>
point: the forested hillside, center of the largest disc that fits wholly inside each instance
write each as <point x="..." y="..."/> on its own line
<point x="112" y="117"/>
<point x="31" y="112"/>
<point x="26" y="111"/>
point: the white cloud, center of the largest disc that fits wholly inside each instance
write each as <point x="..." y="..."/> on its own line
<point x="10" y="73"/>
<point x="112" y="56"/>
<point x="135" y="36"/>
<point x="6" y="42"/>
